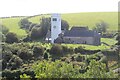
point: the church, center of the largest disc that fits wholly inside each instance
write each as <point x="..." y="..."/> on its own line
<point x="76" y="35"/>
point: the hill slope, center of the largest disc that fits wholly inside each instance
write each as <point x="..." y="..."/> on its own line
<point x="12" y="25"/>
<point x="89" y="19"/>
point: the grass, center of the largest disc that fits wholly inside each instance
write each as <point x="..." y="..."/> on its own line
<point x="12" y="25"/>
<point x="36" y="19"/>
<point x="88" y="47"/>
<point x="87" y="19"/>
<point x="109" y="41"/>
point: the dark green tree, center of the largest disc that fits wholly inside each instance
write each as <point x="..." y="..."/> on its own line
<point x="4" y="29"/>
<point x="11" y="37"/>
<point x="101" y="27"/>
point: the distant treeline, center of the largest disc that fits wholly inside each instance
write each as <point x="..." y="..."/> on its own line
<point x="23" y="16"/>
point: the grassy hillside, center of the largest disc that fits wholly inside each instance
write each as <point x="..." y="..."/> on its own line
<point x="12" y="25"/>
<point x="88" y="19"/>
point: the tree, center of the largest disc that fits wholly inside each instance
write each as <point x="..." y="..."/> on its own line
<point x="45" y="24"/>
<point x="31" y="26"/>
<point x="4" y="29"/>
<point x="39" y="31"/>
<point x="36" y="33"/>
<point x="24" y="23"/>
<point x="11" y="37"/>
<point x="64" y="25"/>
<point x="101" y="27"/>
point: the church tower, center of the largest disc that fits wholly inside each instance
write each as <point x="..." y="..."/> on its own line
<point x="55" y="26"/>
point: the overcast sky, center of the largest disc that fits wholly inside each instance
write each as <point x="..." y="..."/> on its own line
<point x="34" y="7"/>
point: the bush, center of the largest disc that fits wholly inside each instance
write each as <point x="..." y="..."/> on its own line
<point x="26" y="39"/>
<point x="65" y="49"/>
<point x="11" y="37"/>
<point x="46" y="55"/>
<point x="4" y="64"/>
<point x="57" y="69"/>
<point x="6" y="55"/>
<point x="25" y="54"/>
<point x="38" y="51"/>
<point x="80" y="58"/>
<point x="97" y="69"/>
<point x="56" y="49"/>
<point x="15" y="62"/>
<point x="79" y="49"/>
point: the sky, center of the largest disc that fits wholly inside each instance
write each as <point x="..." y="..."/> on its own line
<point x="35" y="7"/>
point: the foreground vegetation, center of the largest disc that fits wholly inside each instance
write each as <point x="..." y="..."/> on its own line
<point x="42" y="60"/>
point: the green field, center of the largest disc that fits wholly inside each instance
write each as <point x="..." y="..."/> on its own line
<point x="87" y="19"/>
<point x="88" y="47"/>
<point x="12" y="25"/>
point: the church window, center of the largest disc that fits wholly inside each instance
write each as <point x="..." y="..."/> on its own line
<point x="54" y="19"/>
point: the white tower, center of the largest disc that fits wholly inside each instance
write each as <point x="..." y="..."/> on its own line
<point x="55" y="26"/>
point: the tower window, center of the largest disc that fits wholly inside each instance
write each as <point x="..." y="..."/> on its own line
<point x="54" y="19"/>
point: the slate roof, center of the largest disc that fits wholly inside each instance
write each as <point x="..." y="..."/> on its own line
<point x="80" y="33"/>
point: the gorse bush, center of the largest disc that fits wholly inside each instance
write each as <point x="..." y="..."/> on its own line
<point x="25" y="54"/>
<point x="15" y="62"/>
<point x="97" y="69"/>
<point x="11" y="37"/>
<point x="57" y="69"/>
<point x="6" y="55"/>
<point x="56" y="49"/>
<point x="38" y="51"/>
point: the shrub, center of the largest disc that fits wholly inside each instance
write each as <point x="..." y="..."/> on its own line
<point x="79" y="49"/>
<point x="38" y="51"/>
<point x="26" y="39"/>
<point x="11" y="37"/>
<point x="56" y="49"/>
<point x="97" y="69"/>
<point x="15" y="62"/>
<point x="65" y="49"/>
<point x="25" y="54"/>
<point x="6" y="55"/>
<point x="46" y="55"/>
<point x="80" y="58"/>
<point x="4" y="64"/>
<point x="57" y="69"/>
